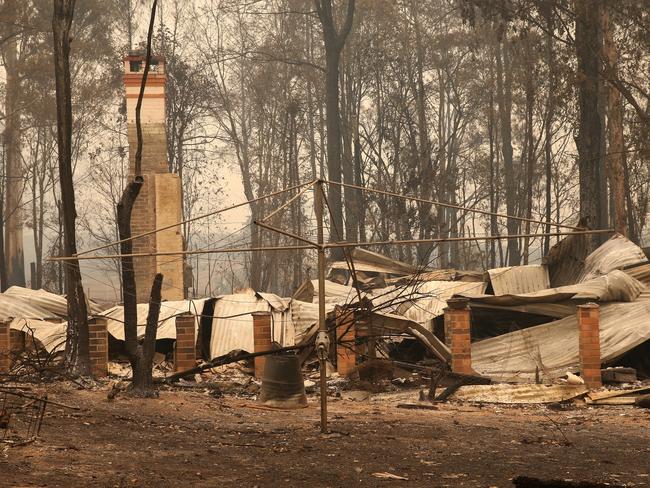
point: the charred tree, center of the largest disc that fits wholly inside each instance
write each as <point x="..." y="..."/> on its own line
<point x="13" y="216"/>
<point x="589" y="141"/>
<point x="140" y="355"/>
<point x="616" y="151"/>
<point x="77" y="348"/>
<point x="548" y="125"/>
<point x="334" y="40"/>
<point x="504" y="102"/>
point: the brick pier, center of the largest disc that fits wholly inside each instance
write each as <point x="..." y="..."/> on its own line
<point x="589" y="344"/>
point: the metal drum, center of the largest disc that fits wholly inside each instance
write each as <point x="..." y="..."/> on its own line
<point x="282" y="383"/>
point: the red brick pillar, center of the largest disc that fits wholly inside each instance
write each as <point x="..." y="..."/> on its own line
<point x="98" y="342"/>
<point x="5" y="346"/>
<point x="346" y="357"/>
<point x="589" y="344"/>
<point x="457" y="327"/>
<point x="262" y="340"/>
<point x="185" y="350"/>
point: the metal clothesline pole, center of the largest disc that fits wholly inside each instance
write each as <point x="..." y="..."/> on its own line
<point x="322" y="348"/>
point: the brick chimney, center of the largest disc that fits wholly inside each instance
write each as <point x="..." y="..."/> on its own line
<point x="159" y="202"/>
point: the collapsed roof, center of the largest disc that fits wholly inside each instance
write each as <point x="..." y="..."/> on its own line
<point x="530" y="309"/>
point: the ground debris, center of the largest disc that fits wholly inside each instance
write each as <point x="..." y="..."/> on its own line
<point x="526" y="482"/>
<point x="389" y="476"/>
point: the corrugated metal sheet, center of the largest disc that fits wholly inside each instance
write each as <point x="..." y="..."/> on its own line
<point x="232" y="325"/>
<point x="279" y="304"/>
<point x="373" y="262"/>
<point x="519" y="279"/>
<point x="518" y="394"/>
<point x="565" y="260"/>
<point x="304" y="315"/>
<point x="19" y="307"/>
<point x="55" y="304"/>
<point x="50" y="335"/>
<point x="640" y="272"/>
<point x="618" y="252"/>
<point x="557" y="310"/>
<point x="335" y="292"/>
<point x="166" y="320"/>
<point x="434" y="296"/>
<point x="569" y="263"/>
<point x="615" y="286"/>
<point x="447" y="275"/>
<point x="553" y="347"/>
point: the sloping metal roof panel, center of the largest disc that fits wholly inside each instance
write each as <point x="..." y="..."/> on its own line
<point x="519" y="279"/>
<point x="57" y="305"/>
<point x="50" y="335"/>
<point x="166" y="320"/>
<point x="433" y="299"/>
<point x="615" y="286"/>
<point x="569" y="263"/>
<point x="12" y="306"/>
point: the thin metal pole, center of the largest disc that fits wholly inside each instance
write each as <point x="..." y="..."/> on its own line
<point x="322" y="326"/>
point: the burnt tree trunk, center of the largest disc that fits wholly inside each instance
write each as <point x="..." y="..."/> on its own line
<point x="588" y="39"/>
<point x="548" y="126"/>
<point x="529" y="90"/>
<point x="13" y="217"/>
<point x="334" y="41"/>
<point x="140" y="355"/>
<point x="77" y="343"/>
<point x="3" y="268"/>
<point x="616" y="151"/>
<point x="504" y="100"/>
